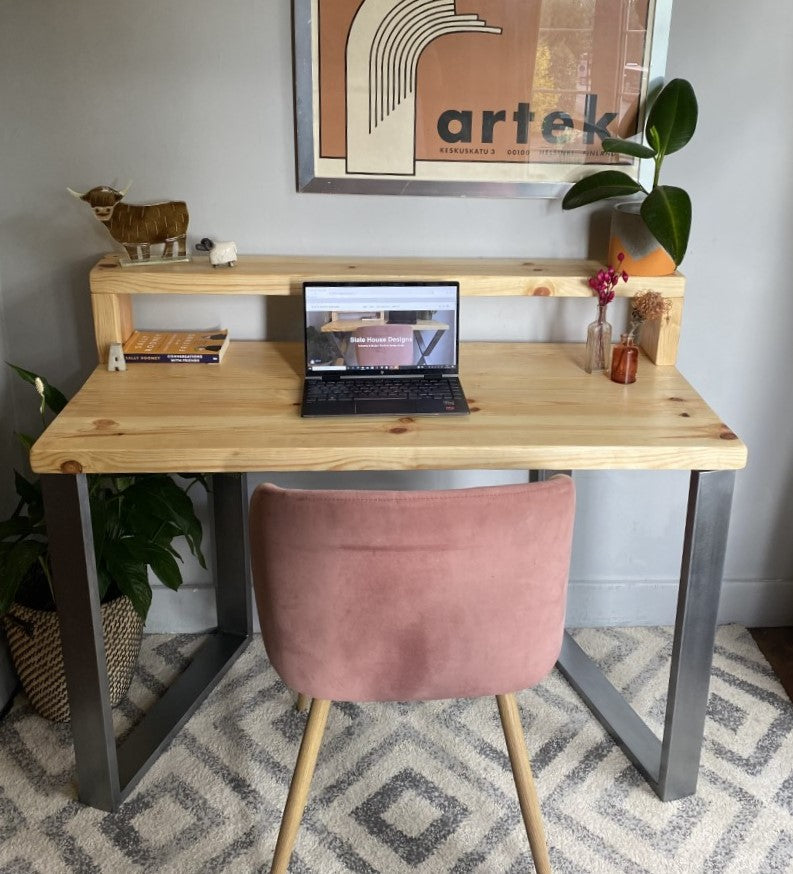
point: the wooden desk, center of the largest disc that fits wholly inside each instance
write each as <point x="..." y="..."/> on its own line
<point x="532" y="407"/>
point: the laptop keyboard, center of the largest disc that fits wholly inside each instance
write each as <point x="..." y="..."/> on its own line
<point x="383" y="389"/>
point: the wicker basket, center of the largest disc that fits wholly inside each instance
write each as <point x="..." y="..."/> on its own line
<point x="35" y="642"/>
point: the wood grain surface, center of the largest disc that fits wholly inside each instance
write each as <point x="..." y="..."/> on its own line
<point x="112" y="285"/>
<point x="532" y="407"/>
<point x="284" y="274"/>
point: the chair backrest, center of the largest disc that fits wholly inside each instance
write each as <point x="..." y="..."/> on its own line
<point x="380" y="595"/>
<point x="383" y="344"/>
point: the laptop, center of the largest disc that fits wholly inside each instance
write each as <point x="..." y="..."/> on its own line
<point x="382" y="348"/>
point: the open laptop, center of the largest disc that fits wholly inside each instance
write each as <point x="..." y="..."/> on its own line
<point x="382" y="348"/>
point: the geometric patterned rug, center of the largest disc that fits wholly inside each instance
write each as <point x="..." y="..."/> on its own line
<point x="415" y="787"/>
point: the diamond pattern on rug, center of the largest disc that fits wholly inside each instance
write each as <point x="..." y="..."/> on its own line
<point x="415" y="787"/>
<point x="424" y="825"/>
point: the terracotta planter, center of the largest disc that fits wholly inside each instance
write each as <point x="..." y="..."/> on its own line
<point x="34" y="639"/>
<point x="644" y="255"/>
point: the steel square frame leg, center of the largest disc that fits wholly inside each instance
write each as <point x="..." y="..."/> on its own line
<point x="107" y="772"/>
<point x="671" y="765"/>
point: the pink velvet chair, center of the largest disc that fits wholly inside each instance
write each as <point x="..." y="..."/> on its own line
<point x="394" y="596"/>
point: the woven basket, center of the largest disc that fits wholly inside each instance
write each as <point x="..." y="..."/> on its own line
<point x="35" y="642"/>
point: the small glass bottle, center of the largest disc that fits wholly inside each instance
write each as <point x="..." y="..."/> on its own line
<point x="598" y="343"/>
<point x="625" y="360"/>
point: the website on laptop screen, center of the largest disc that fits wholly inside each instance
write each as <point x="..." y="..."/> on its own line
<point x="381" y="327"/>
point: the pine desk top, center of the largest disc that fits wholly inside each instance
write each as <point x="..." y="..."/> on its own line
<point x="532" y="407"/>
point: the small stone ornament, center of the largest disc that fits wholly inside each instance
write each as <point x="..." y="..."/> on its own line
<point x="115" y="357"/>
<point x="220" y="254"/>
<point x="138" y="227"/>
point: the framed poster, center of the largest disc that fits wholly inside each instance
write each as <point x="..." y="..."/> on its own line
<point x="470" y="97"/>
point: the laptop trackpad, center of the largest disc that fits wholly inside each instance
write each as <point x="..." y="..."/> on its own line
<point x="372" y="407"/>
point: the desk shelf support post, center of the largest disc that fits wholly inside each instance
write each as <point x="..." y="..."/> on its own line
<point x="74" y="580"/>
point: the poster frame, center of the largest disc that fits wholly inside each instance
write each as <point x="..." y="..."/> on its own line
<point x="310" y="179"/>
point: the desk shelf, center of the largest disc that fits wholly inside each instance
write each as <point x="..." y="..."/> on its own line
<point x="112" y="285"/>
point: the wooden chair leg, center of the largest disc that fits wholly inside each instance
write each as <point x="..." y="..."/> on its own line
<point x="302" y="702"/>
<point x="301" y="781"/>
<point x="524" y="782"/>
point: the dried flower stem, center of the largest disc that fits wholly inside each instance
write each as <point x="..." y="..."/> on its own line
<point x="649" y="306"/>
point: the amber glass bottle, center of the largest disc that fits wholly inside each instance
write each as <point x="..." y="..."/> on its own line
<point x="624" y="360"/>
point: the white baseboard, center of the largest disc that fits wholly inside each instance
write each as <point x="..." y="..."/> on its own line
<point x="753" y="603"/>
<point x="590" y="604"/>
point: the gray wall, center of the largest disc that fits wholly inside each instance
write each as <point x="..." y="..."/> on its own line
<point x="194" y="100"/>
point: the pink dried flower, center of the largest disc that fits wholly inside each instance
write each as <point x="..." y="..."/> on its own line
<point x="605" y="281"/>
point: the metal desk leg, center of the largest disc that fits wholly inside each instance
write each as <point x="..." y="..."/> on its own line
<point x="707" y="523"/>
<point x="233" y="596"/>
<point x="107" y="773"/>
<point x="671" y="766"/>
<point x="76" y="590"/>
<point x="542" y="476"/>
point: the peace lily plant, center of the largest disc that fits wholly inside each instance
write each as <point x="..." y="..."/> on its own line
<point x="135" y="520"/>
<point x="666" y="210"/>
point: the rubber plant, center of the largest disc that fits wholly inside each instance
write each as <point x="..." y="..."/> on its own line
<point x="666" y="210"/>
<point x="135" y="519"/>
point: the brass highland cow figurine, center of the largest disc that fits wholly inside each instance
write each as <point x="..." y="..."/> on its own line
<point x="137" y="227"/>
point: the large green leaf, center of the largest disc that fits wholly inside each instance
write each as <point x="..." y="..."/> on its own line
<point x="105" y="521"/>
<point x="30" y="492"/>
<point x="104" y="579"/>
<point x="53" y="398"/>
<point x="19" y="526"/>
<point x="673" y="118"/>
<point x="27" y="442"/>
<point x="627" y="147"/>
<point x="129" y="574"/>
<point x="158" y="558"/>
<point x="135" y="585"/>
<point x="599" y="186"/>
<point x="15" y="564"/>
<point x="195" y="478"/>
<point x="158" y="497"/>
<point x="667" y="213"/>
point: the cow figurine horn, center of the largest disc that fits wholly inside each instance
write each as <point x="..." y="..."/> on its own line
<point x="124" y="191"/>
<point x="75" y="193"/>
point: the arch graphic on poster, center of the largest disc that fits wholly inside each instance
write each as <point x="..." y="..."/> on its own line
<point x="384" y="45"/>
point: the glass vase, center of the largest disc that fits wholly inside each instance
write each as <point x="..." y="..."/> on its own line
<point x="598" y="343"/>
<point x="624" y="361"/>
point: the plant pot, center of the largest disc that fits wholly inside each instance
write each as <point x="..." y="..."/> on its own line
<point x="644" y="255"/>
<point x="34" y="639"/>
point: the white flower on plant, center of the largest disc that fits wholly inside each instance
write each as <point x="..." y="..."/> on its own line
<point x="38" y="382"/>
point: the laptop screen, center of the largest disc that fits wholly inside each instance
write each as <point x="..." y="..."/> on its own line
<point x="381" y="327"/>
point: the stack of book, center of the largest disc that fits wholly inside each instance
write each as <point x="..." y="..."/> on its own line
<point x="177" y="347"/>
